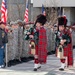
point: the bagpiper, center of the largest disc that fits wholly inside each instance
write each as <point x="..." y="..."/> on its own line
<point x="64" y="49"/>
<point x="40" y="40"/>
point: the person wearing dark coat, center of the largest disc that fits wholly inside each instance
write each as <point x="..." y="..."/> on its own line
<point x="3" y="41"/>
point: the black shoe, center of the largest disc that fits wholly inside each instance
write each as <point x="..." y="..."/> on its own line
<point x="35" y="69"/>
<point x="61" y="69"/>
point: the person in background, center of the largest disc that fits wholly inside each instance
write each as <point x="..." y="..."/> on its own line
<point x="3" y="41"/>
<point x="20" y="38"/>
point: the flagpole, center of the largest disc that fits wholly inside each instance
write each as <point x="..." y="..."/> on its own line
<point x="26" y="2"/>
<point x="6" y="57"/>
<point x="63" y="12"/>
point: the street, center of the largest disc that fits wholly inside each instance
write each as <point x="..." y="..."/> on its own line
<point x="51" y="68"/>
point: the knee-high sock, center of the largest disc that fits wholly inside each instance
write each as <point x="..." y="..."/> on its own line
<point x="62" y="60"/>
<point x="36" y="61"/>
<point x="62" y="63"/>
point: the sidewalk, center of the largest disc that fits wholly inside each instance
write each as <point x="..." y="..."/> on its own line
<point x="51" y="68"/>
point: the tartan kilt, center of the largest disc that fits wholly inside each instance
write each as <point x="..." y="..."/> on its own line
<point x="42" y="46"/>
<point x="42" y="55"/>
<point x="68" y="52"/>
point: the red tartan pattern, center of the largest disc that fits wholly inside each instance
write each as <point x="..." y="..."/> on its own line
<point x="42" y="46"/>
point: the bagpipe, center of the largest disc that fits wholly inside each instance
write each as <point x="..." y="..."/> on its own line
<point x="32" y="41"/>
<point x="71" y="27"/>
<point x="26" y="31"/>
<point x="55" y="27"/>
<point x="60" y="48"/>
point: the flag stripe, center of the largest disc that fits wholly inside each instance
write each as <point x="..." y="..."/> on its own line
<point x="4" y="11"/>
<point x="26" y="13"/>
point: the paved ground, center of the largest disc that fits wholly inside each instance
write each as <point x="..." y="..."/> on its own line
<point x="51" y="68"/>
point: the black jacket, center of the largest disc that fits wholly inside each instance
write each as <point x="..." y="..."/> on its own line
<point x="3" y="37"/>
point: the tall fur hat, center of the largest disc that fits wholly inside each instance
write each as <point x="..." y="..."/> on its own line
<point x="62" y="21"/>
<point x="41" y="19"/>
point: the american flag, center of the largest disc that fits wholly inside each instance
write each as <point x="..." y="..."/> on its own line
<point x="26" y="13"/>
<point x="4" y="11"/>
<point x="43" y="10"/>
